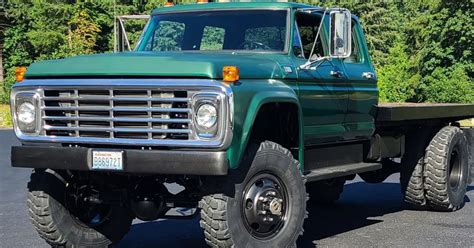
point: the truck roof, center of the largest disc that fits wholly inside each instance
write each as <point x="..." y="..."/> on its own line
<point x="230" y="5"/>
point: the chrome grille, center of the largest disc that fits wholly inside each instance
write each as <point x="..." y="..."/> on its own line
<point x="126" y="112"/>
<point x="143" y="114"/>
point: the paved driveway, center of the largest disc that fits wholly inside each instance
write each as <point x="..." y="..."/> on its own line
<point x="366" y="216"/>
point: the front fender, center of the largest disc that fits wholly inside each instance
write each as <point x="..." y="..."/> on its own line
<point x="249" y="97"/>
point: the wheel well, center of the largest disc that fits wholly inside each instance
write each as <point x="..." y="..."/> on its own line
<point x="277" y="122"/>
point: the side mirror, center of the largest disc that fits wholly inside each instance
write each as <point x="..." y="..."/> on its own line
<point x="340" y="33"/>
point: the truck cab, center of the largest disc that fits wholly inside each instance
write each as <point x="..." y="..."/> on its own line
<point x="248" y="106"/>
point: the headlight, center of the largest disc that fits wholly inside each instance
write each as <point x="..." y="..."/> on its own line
<point x="206" y="116"/>
<point x="25" y="112"/>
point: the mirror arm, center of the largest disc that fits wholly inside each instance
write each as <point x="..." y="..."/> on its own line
<point x="310" y="62"/>
<point x="317" y="35"/>
<point x="307" y="65"/>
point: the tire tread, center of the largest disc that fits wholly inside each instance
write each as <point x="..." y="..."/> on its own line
<point x="213" y="207"/>
<point x="436" y="184"/>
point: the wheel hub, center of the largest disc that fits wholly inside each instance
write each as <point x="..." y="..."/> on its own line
<point x="455" y="170"/>
<point x="264" y="206"/>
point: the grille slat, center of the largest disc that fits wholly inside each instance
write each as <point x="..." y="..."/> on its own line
<point x="116" y="113"/>
<point x="116" y="119"/>
<point x="116" y="129"/>
<point x="123" y="109"/>
<point x="128" y="99"/>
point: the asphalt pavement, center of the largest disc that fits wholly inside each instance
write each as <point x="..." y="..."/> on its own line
<point x="367" y="215"/>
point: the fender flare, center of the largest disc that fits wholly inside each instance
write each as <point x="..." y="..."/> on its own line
<point x="261" y="98"/>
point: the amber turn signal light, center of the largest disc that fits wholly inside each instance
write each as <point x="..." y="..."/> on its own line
<point x="20" y="73"/>
<point x="230" y="73"/>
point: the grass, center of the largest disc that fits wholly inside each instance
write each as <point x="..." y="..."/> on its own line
<point x="5" y="117"/>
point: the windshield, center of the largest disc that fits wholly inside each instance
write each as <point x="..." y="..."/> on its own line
<point x="261" y="30"/>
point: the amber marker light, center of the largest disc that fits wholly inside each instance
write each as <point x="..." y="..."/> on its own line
<point x="230" y="73"/>
<point x="169" y="3"/>
<point x="20" y="73"/>
<point x="202" y="1"/>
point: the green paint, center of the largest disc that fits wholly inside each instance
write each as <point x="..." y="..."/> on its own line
<point x="163" y="64"/>
<point x="334" y="109"/>
<point x="249" y="96"/>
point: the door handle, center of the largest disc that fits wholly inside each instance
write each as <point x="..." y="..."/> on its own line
<point x="336" y="74"/>
<point x="368" y="75"/>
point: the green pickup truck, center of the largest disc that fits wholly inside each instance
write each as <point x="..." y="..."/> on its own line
<point x="255" y="109"/>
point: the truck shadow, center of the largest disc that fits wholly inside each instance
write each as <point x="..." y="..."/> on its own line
<point x="360" y="205"/>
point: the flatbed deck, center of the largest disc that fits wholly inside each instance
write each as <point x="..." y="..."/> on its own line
<point x="396" y="112"/>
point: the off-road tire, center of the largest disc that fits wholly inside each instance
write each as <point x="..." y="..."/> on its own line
<point x="412" y="166"/>
<point x="221" y="214"/>
<point x="447" y="151"/>
<point x="325" y="191"/>
<point x="58" y="227"/>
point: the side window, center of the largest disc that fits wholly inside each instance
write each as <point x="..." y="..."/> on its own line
<point x="264" y="38"/>
<point x="168" y="36"/>
<point x="308" y="28"/>
<point x="297" y="47"/>
<point x="212" y="38"/>
<point x="356" y="56"/>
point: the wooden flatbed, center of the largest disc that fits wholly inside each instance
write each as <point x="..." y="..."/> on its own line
<point x="399" y="112"/>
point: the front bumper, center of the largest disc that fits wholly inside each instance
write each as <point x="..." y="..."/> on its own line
<point x="135" y="161"/>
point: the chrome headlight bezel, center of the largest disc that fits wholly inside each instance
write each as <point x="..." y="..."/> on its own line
<point x="19" y="98"/>
<point x="215" y="100"/>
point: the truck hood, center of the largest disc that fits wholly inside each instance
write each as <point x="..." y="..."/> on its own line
<point x="163" y="64"/>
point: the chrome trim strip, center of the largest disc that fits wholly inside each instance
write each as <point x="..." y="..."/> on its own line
<point x="116" y="129"/>
<point x="122" y="109"/>
<point x="125" y="99"/>
<point x="223" y="92"/>
<point x="116" y="119"/>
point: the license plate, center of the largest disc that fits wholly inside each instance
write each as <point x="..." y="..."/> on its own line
<point x="105" y="160"/>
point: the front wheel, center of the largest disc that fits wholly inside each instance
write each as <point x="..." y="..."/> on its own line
<point x="267" y="209"/>
<point x="63" y="219"/>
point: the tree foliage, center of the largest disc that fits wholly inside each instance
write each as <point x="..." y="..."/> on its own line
<point x="422" y="50"/>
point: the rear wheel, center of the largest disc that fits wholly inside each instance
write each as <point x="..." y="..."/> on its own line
<point x="63" y="216"/>
<point x="266" y="209"/>
<point x="447" y="169"/>
<point x="412" y="167"/>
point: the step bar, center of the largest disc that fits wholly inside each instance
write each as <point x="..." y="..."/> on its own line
<point x="341" y="170"/>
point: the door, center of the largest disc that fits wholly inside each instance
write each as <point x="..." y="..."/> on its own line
<point x="362" y="87"/>
<point x="322" y="91"/>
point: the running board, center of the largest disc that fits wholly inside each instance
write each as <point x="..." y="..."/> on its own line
<point x="341" y="170"/>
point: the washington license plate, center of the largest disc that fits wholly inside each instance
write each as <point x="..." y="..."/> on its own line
<point x="106" y="160"/>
